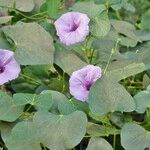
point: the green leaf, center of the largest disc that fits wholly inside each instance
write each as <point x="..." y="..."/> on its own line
<point x="99" y="130"/>
<point x="124" y="68"/>
<point x="57" y="98"/>
<point x="23" y="137"/>
<point x="106" y="95"/>
<point x="119" y="119"/>
<point x="34" y="45"/>
<point x="68" y="106"/>
<point x="66" y="60"/>
<point x="103" y="46"/>
<point x="5" y="129"/>
<point x="68" y="132"/>
<point x="145" y="21"/>
<point x="125" y="28"/>
<point x="32" y="77"/>
<point x="128" y="42"/>
<point x="52" y="7"/>
<point x="144" y="35"/>
<point x="8" y="109"/>
<point x="66" y="126"/>
<point x="134" y="137"/>
<point x="100" y="25"/>
<point x="42" y="102"/>
<point x="38" y="4"/>
<point x="89" y="8"/>
<point x="22" y="5"/>
<point x="3" y="42"/>
<point x="142" y="101"/>
<point x="98" y="144"/>
<point x="141" y="55"/>
<point x="101" y="118"/>
<point x="118" y="4"/>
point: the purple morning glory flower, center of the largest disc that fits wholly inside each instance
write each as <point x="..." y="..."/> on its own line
<point x="9" y="68"/>
<point x="82" y="80"/>
<point x="72" y="27"/>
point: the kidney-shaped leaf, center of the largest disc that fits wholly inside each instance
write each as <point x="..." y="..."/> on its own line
<point x="57" y="132"/>
<point x="41" y="102"/>
<point x="134" y="137"/>
<point x="107" y="95"/>
<point x="64" y="132"/>
<point x="34" y="45"/>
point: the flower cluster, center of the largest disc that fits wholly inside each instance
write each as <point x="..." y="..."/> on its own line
<point x="72" y="28"/>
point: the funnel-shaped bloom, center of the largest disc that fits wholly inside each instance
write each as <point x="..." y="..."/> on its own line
<point x="9" y="68"/>
<point x="72" y="27"/>
<point x="82" y="80"/>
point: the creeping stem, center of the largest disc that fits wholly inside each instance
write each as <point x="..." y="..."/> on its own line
<point x="111" y="54"/>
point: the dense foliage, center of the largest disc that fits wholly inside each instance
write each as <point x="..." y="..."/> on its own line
<point x="37" y="111"/>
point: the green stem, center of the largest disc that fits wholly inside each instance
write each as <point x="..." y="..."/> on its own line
<point x="92" y="54"/>
<point x="63" y="80"/>
<point x="118" y="15"/>
<point x="114" y="142"/>
<point x="44" y="147"/>
<point x="111" y="54"/>
<point x="135" y="87"/>
<point x="30" y="79"/>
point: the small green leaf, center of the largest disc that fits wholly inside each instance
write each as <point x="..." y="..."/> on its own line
<point x="142" y="101"/>
<point x="52" y="7"/>
<point x="98" y="144"/>
<point x="100" y="130"/>
<point x="42" y="102"/>
<point x="145" y="21"/>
